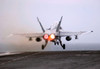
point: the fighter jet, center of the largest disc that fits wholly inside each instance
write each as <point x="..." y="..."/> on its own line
<point x="53" y="34"/>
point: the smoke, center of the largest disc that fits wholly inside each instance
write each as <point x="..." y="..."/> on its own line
<point x="11" y="22"/>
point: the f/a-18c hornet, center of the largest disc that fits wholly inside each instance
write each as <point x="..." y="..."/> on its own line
<point x="53" y="34"/>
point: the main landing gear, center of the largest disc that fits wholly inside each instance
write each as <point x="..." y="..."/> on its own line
<point x="62" y="45"/>
<point x="60" y="42"/>
<point x="56" y="43"/>
<point x="43" y="46"/>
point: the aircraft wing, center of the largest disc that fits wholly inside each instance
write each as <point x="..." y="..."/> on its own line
<point x="33" y="35"/>
<point x="62" y="34"/>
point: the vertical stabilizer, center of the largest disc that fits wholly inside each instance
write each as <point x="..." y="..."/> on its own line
<point x="40" y="24"/>
<point x="58" y="27"/>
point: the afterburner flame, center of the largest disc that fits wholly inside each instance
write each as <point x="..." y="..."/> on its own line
<point x="51" y="37"/>
<point x="46" y="36"/>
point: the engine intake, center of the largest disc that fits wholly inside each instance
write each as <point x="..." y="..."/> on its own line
<point x="38" y="39"/>
<point x="68" y="38"/>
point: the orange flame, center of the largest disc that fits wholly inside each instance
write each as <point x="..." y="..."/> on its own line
<point x="49" y="37"/>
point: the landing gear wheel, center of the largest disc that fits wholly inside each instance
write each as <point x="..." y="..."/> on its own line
<point x="63" y="46"/>
<point x="57" y="43"/>
<point x="54" y="43"/>
<point x="42" y="47"/>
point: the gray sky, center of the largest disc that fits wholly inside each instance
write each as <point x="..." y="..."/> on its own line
<point x="19" y="16"/>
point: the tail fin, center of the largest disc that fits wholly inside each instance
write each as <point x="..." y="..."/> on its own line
<point x="58" y="27"/>
<point x="40" y="24"/>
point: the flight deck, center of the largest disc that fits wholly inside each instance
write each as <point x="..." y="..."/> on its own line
<point x="52" y="60"/>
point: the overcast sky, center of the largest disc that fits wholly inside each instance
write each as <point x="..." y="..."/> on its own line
<point x="19" y="16"/>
